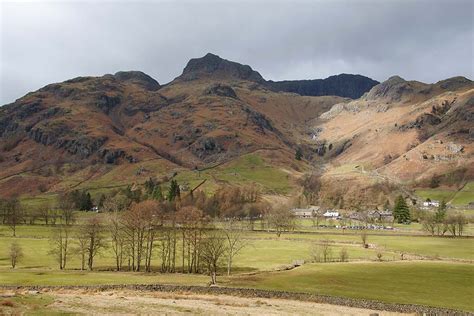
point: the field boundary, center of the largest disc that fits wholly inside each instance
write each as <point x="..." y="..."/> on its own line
<point x="256" y="293"/>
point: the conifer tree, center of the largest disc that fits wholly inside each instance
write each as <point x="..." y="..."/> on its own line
<point x="401" y="212"/>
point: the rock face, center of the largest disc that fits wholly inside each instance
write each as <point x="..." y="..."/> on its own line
<point x="343" y="85"/>
<point x="221" y="90"/>
<point x="218" y="68"/>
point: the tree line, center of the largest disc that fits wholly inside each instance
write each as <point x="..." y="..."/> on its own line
<point x="151" y="229"/>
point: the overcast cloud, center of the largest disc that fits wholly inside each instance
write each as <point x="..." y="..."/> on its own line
<point x="45" y="42"/>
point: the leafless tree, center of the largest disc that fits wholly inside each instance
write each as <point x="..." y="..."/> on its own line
<point x="14" y="214"/>
<point x="92" y="234"/>
<point x="364" y="237"/>
<point x="455" y="224"/>
<point x="316" y="216"/>
<point x="213" y="250"/>
<point x="139" y="225"/>
<point x="44" y="213"/>
<point x="192" y="224"/>
<point x="59" y="243"/>
<point x="66" y="209"/>
<point x="428" y="222"/>
<point x="322" y="251"/>
<point x="16" y="254"/>
<point x="117" y="234"/>
<point x="343" y="255"/>
<point x="281" y="219"/>
<point x="234" y="235"/>
<point x="81" y="241"/>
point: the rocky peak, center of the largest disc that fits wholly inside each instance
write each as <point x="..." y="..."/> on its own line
<point x="139" y="78"/>
<point x="454" y="83"/>
<point x="392" y="89"/>
<point x="212" y="66"/>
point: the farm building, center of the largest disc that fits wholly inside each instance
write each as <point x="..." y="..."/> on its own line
<point x="381" y="216"/>
<point x="305" y="212"/>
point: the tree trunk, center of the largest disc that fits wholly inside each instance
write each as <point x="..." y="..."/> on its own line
<point x="229" y="264"/>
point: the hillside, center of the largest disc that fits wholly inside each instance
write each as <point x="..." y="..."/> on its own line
<point x="403" y="131"/>
<point x="220" y="121"/>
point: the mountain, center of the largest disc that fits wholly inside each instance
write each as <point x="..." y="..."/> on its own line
<point x="344" y="85"/>
<point x="220" y="121"/>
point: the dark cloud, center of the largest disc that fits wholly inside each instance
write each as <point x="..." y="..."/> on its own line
<point x="54" y="41"/>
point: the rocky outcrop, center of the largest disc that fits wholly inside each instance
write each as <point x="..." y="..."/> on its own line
<point x="109" y="155"/>
<point x="343" y="85"/>
<point x="139" y="78"/>
<point x="107" y="103"/>
<point x="259" y="120"/>
<point x="82" y="146"/>
<point x="205" y="147"/>
<point x="221" y="91"/>
<point x="218" y="68"/>
<point x="421" y="121"/>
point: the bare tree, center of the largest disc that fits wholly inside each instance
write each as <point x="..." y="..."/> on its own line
<point x="117" y="234"/>
<point x="139" y="225"/>
<point x="321" y="251"/>
<point x="429" y="224"/>
<point x="213" y="250"/>
<point x="343" y="255"/>
<point x="14" y="214"/>
<point x="455" y="224"/>
<point x="16" y="254"/>
<point x="44" y="213"/>
<point x="192" y="222"/>
<point x="66" y="209"/>
<point x="281" y="219"/>
<point x="364" y="237"/>
<point x="234" y="234"/>
<point x="59" y="243"/>
<point x="81" y="241"/>
<point x="316" y="216"/>
<point x="92" y="232"/>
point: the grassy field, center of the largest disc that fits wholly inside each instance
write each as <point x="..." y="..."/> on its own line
<point x="461" y="197"/>
<point x="427" y="283"/>
<point x="439" y="284"/>
<point x="392" y="280"/>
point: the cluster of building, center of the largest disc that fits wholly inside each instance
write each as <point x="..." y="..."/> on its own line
<point x="385" y="216"/>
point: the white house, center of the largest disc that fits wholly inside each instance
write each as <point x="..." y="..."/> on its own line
<point x="331" y="214"/>
<point x="431" y="203"/>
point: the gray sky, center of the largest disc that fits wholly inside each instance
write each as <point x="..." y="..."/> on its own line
<point x="45" y="42"/>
